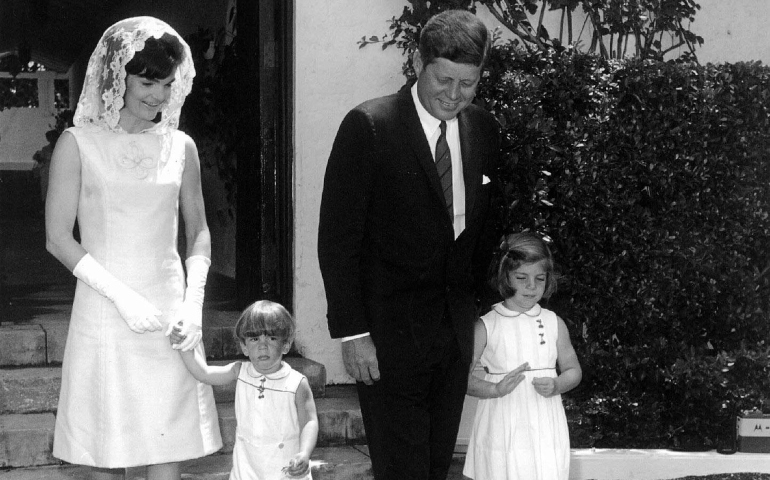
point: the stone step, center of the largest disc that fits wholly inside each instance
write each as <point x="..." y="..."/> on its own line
<point x="36" y="389"/>
<point x="40" y="340"/>
<point x="22" y="345"/>
<point x="27" y="439"/>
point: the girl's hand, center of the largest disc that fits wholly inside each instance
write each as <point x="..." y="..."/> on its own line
<point x="511" y="380"/>
<point x="545" y="386"/>
<point x="298" y="466"/>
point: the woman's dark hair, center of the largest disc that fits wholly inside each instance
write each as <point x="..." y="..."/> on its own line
<point x="516" y="250"/>
<point x="158" y="58"/>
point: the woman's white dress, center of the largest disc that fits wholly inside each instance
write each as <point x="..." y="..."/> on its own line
<point x="522" y="435"/>
<point x="126" y="398"/>
<point x="267" y="432"/>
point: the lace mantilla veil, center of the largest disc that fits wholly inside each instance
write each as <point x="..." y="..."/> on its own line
<point x="105" y="83"/>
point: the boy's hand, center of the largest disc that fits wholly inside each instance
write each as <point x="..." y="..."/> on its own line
<point x="298" y="466"/>
<point x="175" y="336"/>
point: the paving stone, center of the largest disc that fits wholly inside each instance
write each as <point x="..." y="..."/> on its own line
<point x="338" y="463"/>
<point x="26" y="440"/>
<point x="22" y="345"/>
<point x="341" y="464"/>
<point x="29" y="390"/>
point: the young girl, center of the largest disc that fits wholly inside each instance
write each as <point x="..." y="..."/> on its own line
<point x="520" y="430"/>
<point x="276" y="417"/>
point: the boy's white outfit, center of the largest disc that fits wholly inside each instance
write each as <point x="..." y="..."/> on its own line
<point x="267" y="434"/>
<point x="522" y="435"/>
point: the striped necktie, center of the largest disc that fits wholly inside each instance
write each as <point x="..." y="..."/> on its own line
<point x="444" y="167"/>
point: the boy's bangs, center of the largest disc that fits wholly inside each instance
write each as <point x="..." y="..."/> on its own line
<point x="269" y="327"/>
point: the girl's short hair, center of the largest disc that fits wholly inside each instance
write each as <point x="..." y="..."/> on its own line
<point x="158" y="59"/>
<point x="518" y="249"/>
<point x="265" y="317"/>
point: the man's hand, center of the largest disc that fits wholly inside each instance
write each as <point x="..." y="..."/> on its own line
<point x="360" y="358"/>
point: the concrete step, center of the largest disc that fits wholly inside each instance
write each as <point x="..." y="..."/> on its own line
<point x="31" y="351"/>
<point x="22" y="345"/>
<point x="36" y="389"/>
<point x="38" y="339"/>
<point x="27" y="439"/>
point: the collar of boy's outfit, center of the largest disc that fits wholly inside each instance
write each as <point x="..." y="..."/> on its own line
<point x="282" y="372"/>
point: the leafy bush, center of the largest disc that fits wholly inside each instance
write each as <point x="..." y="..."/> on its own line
<point x="653" y="182"/>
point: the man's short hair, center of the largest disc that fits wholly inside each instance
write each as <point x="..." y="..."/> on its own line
<point x="456" y="35"/>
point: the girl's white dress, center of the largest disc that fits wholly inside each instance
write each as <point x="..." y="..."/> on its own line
<point x="522" y="435"/>
<point x="126" y="398"/>
<point x="267" y="432"/>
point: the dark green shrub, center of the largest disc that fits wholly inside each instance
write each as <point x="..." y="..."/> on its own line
<point x="652" y="180"/>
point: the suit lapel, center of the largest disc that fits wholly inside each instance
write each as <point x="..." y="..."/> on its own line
<point x="415" y="137"/>
<point x="469" y="147"/>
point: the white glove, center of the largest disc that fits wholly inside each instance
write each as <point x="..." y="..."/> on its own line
<point x="140" y="315"/>
<point x="189" y="317"/>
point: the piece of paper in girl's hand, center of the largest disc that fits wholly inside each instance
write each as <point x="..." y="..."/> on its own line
<point x="484" y="179"/>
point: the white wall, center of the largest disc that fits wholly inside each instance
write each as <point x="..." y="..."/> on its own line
<point x="22" y="130"/>
<point x="734" y="30"/>
<point x="333" y="75"/>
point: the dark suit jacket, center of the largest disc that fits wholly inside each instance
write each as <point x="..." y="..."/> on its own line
<point x="389" y="260"/>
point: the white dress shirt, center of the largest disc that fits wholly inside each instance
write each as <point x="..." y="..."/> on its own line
<point x="430" y="126"/>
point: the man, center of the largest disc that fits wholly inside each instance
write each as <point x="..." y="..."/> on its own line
<point x="404" y="231"/>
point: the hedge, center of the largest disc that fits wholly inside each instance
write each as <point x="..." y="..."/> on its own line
<point x="652" y="181"/>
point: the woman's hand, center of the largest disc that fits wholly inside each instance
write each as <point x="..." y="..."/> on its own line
<point x="545" y="386"/>
<point x="187" y="324"/>
<point x="139" y="314"/>
<point x="511" y="380"/>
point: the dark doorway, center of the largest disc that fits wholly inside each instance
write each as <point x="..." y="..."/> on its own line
<point x="264" y="174"/>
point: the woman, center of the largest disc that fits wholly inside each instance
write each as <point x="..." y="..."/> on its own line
<point x="125" y="172"/>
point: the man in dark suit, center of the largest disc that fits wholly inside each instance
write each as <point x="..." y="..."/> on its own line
<point x="404" y="232"/>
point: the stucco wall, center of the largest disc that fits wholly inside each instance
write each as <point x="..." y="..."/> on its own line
<point x="733" y="30"/>
<point x="333" y="75"/>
